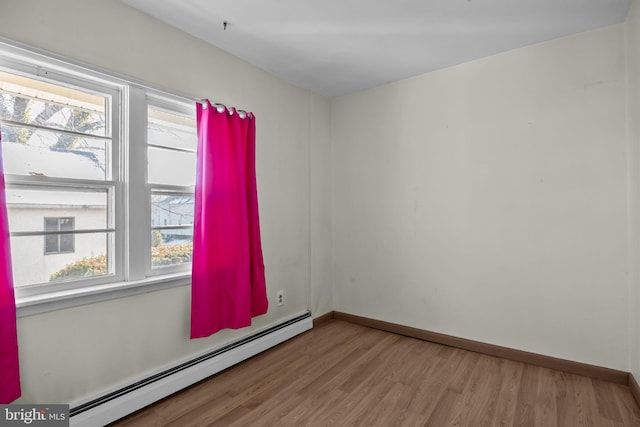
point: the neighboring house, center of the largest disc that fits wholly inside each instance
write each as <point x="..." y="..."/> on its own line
<point x="173" y="210"/>
<point x="48" y="254"/>
<point x="34" y="210"/>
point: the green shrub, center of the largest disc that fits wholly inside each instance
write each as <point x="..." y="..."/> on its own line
<point x="171" y="254"/>
<point x="86" y="267"/>
<point x="97" y="265"/>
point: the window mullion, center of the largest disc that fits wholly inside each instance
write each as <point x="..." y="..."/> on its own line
<point x="139" y="208"/>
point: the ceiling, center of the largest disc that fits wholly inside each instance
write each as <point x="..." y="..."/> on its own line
<point x="336" y="47"/>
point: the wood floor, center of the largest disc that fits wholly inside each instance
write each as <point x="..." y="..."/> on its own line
<point x="342" y="374"/>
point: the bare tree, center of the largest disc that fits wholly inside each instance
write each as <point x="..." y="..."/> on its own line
<point x="19" y="109"/>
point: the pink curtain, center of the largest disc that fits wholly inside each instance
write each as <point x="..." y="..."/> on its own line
<point x="9" y="369"/>
<point x="228" y="283"/>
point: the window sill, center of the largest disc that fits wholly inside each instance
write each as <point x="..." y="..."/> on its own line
<point x="31" y="305"/>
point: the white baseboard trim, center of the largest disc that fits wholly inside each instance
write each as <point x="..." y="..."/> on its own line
<point x="119" y="404"/>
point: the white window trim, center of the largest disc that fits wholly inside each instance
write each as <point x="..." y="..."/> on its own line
<point x="136" y="277"/>
<point x="63" y="299"/>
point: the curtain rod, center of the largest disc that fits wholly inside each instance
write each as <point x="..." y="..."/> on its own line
<point x="221" y="107"/>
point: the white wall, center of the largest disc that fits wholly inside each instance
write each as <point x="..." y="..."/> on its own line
<point x="633" y="119"/>
<point x="489" y="200"/>
<point x="73" y="354"/>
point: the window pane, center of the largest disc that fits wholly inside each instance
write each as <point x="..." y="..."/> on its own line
<point x="171" y="130"/>
<point x="51" y="224"/>
<point x="171" y="167"/>
<point x="34" y="267"/>
<point x="67" y="243"/>
<point x="61" y="209"/>
<point x="54" y="154"/>
<point x="34" y="102"/>
<point x="51" y="245"/>
<point x="171" y="247"/>
<point x="174" y="209"/>
<point x="67" y="223"/>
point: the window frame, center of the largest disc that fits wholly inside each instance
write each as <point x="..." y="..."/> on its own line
<point x="126" y="188"/>
<point x="48" y="70"/>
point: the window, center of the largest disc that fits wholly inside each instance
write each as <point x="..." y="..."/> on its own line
<point x="100" y="177"/>
<point x="57" y="243"/>
<point x="59" y="161"/>
<point x="171" y="159"/>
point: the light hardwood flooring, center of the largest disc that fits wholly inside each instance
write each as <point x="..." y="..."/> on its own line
<point x="342" y="374"/>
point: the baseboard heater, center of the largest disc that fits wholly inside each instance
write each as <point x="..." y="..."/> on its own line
<point x="117" y="404"/>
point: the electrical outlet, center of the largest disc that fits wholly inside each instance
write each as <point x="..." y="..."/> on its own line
<point x="280" y="297"/>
